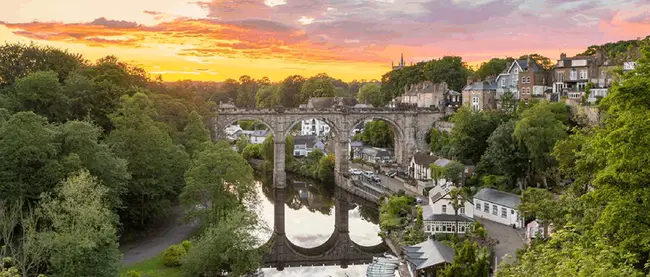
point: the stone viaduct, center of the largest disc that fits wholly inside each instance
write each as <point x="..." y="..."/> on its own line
<point x="410" y="127"/>
<point x="339" y="249"/>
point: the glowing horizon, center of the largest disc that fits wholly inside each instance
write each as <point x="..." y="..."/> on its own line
<point x="356" y="39"/>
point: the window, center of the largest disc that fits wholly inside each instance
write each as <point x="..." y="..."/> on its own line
<point x="461" y="228"/>
<point x="461" y="210"/>
<point x="428" y="228"/>
<point x="516" y="71"/>
<point x="478" y="206"/>
<point x="574" y="74"/>
<point x="475" y="99"/>
<point x="514" y="81"/>
<point x="444" y="209"/>
<point x="523" y="79"/>
<point x="560" y="76"/>
<point x="503" y="82"/>
<point x="512" y="211"/>
<point x="583" y="74"/>
<point x="504" y="212"/>
<point x="494" y="209"/>
<point x="486" y="208"/>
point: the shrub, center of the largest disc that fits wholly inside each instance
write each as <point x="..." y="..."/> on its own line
<point x="132" y="273"/>
<point x="174" y="255"/>
<point x="186" y="244"/>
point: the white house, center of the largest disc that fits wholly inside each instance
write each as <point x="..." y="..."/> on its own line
<point x="627" y="66"/>
<point x="232" y="131"/>
<point x="534" y="229"/>
<point x="439" y="216"/>
<point x="303" y="145"/>
<point x="315" y="127"/>
<point x="258" y="136"/>
<point x="419" y="167"/>
<point x="497" y="206"/>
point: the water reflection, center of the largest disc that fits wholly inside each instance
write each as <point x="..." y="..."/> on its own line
<point x="310" y="220"/>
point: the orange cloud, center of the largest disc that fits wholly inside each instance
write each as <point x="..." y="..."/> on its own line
<point x="253" y="39"/>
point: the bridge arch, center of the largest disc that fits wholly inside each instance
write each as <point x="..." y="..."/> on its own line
<point x="397" y="126"/>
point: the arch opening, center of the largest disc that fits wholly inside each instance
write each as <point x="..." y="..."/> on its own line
<point x="379" y="141"/>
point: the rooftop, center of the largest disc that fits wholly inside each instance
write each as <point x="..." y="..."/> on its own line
<point x="429" y="253"/>
<point x="377" y="152"/>
<point x="260" y="133"/>
<point x="481" y="86"/>
<point x="424" y="159"/>
<point x="447" y="217"/>
<point x="498" y="197"/>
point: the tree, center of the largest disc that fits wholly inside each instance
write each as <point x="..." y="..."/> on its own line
<point x="457" y="200"/>
<point x="326" y="168"/>
<point x="268" y="148"/>
<point x="371" y="93"/>
<point x="454" y="172"/>
<point x="471" y="131"/>
<point x="30" y="157"/>
<point x="82" y="239"/>
<point x="290" y="90"/>
<point x="19" y="233"/>
<point x="194" y="134"/>
<point x="392" y="214"/>
<point x="155" y="164"/>
<point x="505" y="156"/>
<point x="494" y="67"/>
<point x="268" y="96"/>
<point x="246" y="92"/>
<point x="241" y="143"/>
<point x="470" y="260"/>
<point x="218" y="181"/>
<point x="378" y="134"/>
<point x="539" y="204"/>
<point x="439" y="142"/>
<point x="317" y="86"/>
<point x="19" y="60"/>
<point x="251" y="151"/>
<point x="538" y="130"/>
<point x="233" y="237"/>
<point x="542" y="61"/>
<point x="230" y="87"/>
<point x="41" y="92"/>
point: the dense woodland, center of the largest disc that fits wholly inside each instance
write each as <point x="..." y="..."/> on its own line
<point x="97" y="151"/>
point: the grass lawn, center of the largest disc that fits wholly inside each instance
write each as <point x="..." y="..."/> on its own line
<point x="152" y="268"/>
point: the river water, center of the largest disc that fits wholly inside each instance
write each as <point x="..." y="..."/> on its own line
<point x="309" y="222"/>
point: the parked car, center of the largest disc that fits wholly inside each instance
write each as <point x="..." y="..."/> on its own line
<point x="355" y="171"/>
<point x="391" y="173"/>
<point x="368" y="174"/>
<point x="376" y="178"/>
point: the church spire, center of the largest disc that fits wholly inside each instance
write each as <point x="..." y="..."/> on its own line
<point x="401" y="61"/>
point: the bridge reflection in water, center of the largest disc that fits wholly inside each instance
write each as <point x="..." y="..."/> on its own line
<point x="339" y="249"/>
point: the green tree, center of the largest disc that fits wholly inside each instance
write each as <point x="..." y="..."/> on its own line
<point x="30" y="157"/>
<point x="241" y="143"/>
<point x="155" y="164"/>
<point x="371" y="93"/>
<point x="317" y="86"/>
<point x="471" y="131"/>
<point x="82" y="239"/>
<point x="392" y="214"/>
<point x="268" y="96"/>
<point x="19" y="60"/>
<point x="493" y="67"/>
<point x="538" y="130"/>
<point x="194" y="134"/>
<point x="540" y="204"/>
<point x="218" y="180"/>
<point x="457" y="200"/>
<point x="42" y="93"/>
<point x="454" y="172"/>
<point x="246" y="92"/>
<point x="470" y="260"/>
<point x="289" y="91"/>
<point x="377" y="133"/>
<point x="19" y="233"/>
<point x="234" y="239"/>
<point x="505" y="156"/>
<point x="251" y="151"/>
<point x="267" y="151"/>
<point x="326" y="168"/>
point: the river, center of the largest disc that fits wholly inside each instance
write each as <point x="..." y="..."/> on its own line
<point x="309" y="222"/>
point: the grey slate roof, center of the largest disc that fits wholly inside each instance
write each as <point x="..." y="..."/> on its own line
<point x="375" y="152"/>
<point x="448" y="217"/>
<point x="498" y="197"/>
<point x="453" y="92"/>
<point x="481" y="86"/>
<point x="428" y="253"/>
<point x="442" y="162"/>
<point x="260" y="133"/>
<point x="308" y="140"/>
<point x="356" y="143"/>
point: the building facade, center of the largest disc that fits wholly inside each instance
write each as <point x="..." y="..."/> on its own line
<point x="303" y="145"/>
<point x="498" y="206"/>
<point x="439" y="216"/>
<point x="480" y="95"/>
<point x="420" y="166"/>
<point x="314" y="127"/>
<point x="258" y="136"/>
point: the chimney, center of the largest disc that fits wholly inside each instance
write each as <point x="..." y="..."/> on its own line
<point x="490" y="79"/>
<point x="562" y="56"/>
<point x="528" y="62"/>
<point x="470" y="80"/>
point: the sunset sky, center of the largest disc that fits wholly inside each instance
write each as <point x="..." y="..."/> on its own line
<point x="348" y="39"/>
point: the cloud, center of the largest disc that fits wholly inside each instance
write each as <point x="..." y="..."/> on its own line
<point x="113" y="23"/>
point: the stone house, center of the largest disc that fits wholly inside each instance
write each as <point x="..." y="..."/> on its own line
<point x="498" y="206"/>
<point x="439" y="216"/>
<point x="480" y="95"/>
<point x="419" y="166"/>
<point x="534" y="229"/>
